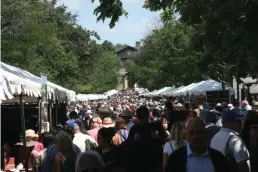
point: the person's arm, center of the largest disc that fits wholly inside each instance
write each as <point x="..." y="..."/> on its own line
<point x="165" y="156"/>
<point x="56" y="163"/>
<point x="241" y="154"/>
<point x="117" y="139"/>
<point x="243" y="166"/>
<point x="165" y="159"/>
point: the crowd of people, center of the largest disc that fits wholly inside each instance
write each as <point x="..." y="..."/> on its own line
<point x="127" y="133"/>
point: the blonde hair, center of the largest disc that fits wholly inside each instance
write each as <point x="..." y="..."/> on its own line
<point x="177" y="134"/>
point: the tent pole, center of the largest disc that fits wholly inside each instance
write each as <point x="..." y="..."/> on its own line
<point x="23" y="132"/>
<point x="50" y="111"/>
<point x="40" y="120"/>
<point x="56" y="112"/>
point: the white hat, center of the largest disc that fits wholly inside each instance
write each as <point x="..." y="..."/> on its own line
<point x="218" y="104"/>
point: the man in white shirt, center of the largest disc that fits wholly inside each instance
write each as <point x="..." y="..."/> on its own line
<point x="80" y="138"/>
<point x="229" y="143"/>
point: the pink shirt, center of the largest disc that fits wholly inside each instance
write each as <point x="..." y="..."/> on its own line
<point x="38" y="147"/>
<point x="94" y="133"/>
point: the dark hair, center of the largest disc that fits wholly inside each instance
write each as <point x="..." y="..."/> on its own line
<point x="69" y="130"/>
<point x="55" y="130"/>
<point x="251" y="118"/>
<point x="156" y="112"/>
<point x="142" y="112"/>
<point x="47" y="139"/>
<point x="73" y="115"/>
<point x="120" y="124"/>
<point x="107" y="133"/>
<point x="80" y="124"/>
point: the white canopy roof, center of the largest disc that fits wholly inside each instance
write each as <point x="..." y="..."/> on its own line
<point x="160" y="91"/>
<point x="111" y="92"/>
<point x="87" y="97"/>
<point x="199" y="88"/>
<point x="14" y="81"/>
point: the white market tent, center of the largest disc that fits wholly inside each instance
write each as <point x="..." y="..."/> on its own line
<point x="142" y="91"/>
<point x="15" y="81"/>
<point x="169" y="93"/>
<point x="170" y="89"/>
<point x="111" y="92"/>
<point x="160" y="91"/>
<point x="199" y="88"/>
<point x="87" y="97"/>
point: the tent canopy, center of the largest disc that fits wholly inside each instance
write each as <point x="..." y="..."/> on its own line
<point x="15" y="81"/>
<point x="111" y="92"/>
<point x="200" y="88"/>
<point x="87" y="97"/>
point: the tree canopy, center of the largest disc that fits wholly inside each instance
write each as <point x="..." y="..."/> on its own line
<point x="224" y="32"/>
<point x="41" y="37"/>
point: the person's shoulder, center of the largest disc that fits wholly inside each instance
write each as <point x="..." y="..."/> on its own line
<point x="215" y="153"/>
<point x="179" y="152"/>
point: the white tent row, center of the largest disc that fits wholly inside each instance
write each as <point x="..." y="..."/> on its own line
<point x="111" y="92"/>
<point x="15" y="81"/>
<point x="160" y="92"/>
<point x="169" y="93"/>
<point x="141" y="91"/>
<point x="200" y="88"/>
<point x="87" y="97"/>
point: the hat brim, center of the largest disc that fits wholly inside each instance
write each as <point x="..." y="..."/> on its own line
<point x="108" y="126"/>
<point x="104" y="112"/>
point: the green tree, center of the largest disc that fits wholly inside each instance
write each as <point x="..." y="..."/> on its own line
<point x="108" y="45"/>
<point x="41" y="37"/>
<point x="225" y="31"/>
<point x="166" y="58"/>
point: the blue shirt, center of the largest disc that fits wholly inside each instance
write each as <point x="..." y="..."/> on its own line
<point x="196" y="163"/>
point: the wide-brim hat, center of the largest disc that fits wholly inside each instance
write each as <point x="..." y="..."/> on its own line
<point x="107" y="122"/>
<point x="105" y="110"/>
<point x="29" y="133"/>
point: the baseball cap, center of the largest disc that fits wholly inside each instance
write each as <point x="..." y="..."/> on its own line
<point x="71" y="123"/>
<point x="233" y="115"/>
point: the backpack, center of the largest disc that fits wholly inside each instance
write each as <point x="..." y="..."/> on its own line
<point x="229" y="157"/>
<point x="89" y="145"/>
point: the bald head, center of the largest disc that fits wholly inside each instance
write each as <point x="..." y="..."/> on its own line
<point x="195" y="133"/>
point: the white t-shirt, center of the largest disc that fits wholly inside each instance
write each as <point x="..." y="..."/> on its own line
<point x="170" y="147"/>
<point x="236" y="145"/>
<point x="79" y="140"/>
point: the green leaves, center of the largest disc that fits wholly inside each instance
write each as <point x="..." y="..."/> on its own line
<point x="42" y="38"/>
<point x="112" y="9"/>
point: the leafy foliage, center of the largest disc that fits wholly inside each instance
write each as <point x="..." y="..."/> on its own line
<point x="166" y="59"/>
<point x="40" y="37"/>
<point x="224" y="33"/>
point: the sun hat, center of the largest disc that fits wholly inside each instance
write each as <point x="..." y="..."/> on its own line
<point x="104" y="110"/>
<point x="29" y="133"/>
<point x="107" y="122"/>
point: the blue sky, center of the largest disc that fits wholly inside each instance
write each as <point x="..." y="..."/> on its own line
<point x="127" y="31"/>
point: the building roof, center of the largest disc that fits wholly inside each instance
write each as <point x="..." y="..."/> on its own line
<point x="119" y="49"/>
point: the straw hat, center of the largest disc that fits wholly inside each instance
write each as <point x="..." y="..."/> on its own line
<point x="29" y="133"/>
<point x="107" y="122"/>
